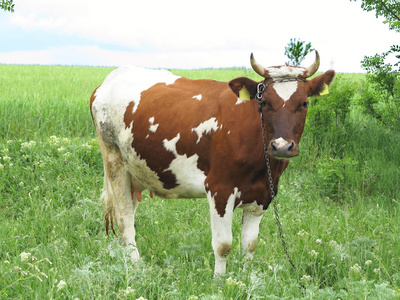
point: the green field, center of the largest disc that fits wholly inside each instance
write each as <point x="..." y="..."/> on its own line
<point x="339" y="204"/>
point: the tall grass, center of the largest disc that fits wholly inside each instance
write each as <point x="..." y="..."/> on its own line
<point x="53" y="243"/>
<point x="47" y="100"/>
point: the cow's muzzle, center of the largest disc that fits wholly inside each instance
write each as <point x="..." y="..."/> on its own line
<point x="282" y="149"/>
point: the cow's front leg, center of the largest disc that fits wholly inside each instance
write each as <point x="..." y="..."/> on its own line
<point x="221" y="212"/>
<point x="250" y="228"/>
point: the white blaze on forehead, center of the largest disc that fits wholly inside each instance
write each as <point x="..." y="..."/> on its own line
<point x="198" y="97"/>
<point x="206" y="127"/>
<point x="285" y="89"/>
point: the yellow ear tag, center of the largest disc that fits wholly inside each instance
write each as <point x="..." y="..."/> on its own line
<point x="244" y="94"/>
<point x="325" y="90"/>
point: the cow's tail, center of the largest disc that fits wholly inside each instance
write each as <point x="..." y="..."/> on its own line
<point x="108" y="198"/>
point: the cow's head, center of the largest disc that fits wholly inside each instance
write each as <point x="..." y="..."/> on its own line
<point x="284" y="102"/>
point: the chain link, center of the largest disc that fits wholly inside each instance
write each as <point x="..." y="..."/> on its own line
<point x="271" y="186"/>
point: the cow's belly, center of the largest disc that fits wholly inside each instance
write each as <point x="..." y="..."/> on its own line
<point x="189" y="180"/>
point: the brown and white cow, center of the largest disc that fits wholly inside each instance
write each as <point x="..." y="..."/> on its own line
<point x="183" y="138"/>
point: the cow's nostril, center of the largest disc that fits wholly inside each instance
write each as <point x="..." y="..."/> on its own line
<point x="291" y="147"/>
<point x="273" y="147"/>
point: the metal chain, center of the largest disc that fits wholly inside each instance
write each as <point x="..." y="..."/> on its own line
<point x="260" y="89"/>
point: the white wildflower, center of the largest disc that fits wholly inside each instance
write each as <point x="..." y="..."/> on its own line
<point x="1" y="167"/>
<point x="302" y="233"/>
<point x="141" y="298"/>
<point x="231" y="282"/>
<point x="28" y="145"/>
<point x="368" y="262"/>
<point x="54" y="141"/>
<point x="377" y="271"/>
<point x="62" y="284"/>
<point x="61" y="149"/>
<point x="21" y="183"/>
<point x="334" y="245"/>
<point x="356" y="268"/>
<point x="25" y="256"/>
<point x="128" y="292"/>
<point x="313" y="253"/>
<point x="6" y="158"/>
<point x="318" y="241"/>
<point x="305" y="279"/>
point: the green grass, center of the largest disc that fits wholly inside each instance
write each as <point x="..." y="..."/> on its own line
<point x="53" y="242"/>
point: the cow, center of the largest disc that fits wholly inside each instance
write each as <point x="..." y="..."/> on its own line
<point x="183" y="138"/>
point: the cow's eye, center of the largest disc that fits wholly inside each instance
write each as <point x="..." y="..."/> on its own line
<point x="305" y="104"/>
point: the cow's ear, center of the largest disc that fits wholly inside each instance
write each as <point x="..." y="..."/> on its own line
<point x="244" y="88"/>
<point x="318" y="86"/>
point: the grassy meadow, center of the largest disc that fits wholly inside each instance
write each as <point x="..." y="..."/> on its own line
<point x="341" y="217"/>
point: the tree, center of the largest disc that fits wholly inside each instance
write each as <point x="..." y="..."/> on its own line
<point x="384" y="102"/>
<point x="296" y="51"/>
<point x="7" y="5"/>
<point x="389" y="9"/>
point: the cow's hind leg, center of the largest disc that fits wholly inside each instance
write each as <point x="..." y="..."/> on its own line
<point x="120" y="200"/>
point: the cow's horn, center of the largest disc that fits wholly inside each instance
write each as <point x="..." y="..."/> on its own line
<point x="259" y="69"/>
<point x="313" y="68"/>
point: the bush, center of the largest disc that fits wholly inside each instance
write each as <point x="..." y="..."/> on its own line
<point x="327" y="115"/>
<point x="382" y="95"/>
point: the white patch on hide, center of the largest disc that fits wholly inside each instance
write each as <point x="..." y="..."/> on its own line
<point x="121" y="87"/>
<point x="198" y="97"/>
<point x="206" y="127"/>
<point x="254" y="208"/>
<point x="171" y="144"/>
<point x="153" y="128"/>
<point x="188" y="176"/>
<point x="240" y="101"/>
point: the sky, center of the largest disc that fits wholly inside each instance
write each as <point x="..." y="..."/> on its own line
<point x="183" y="34"/>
